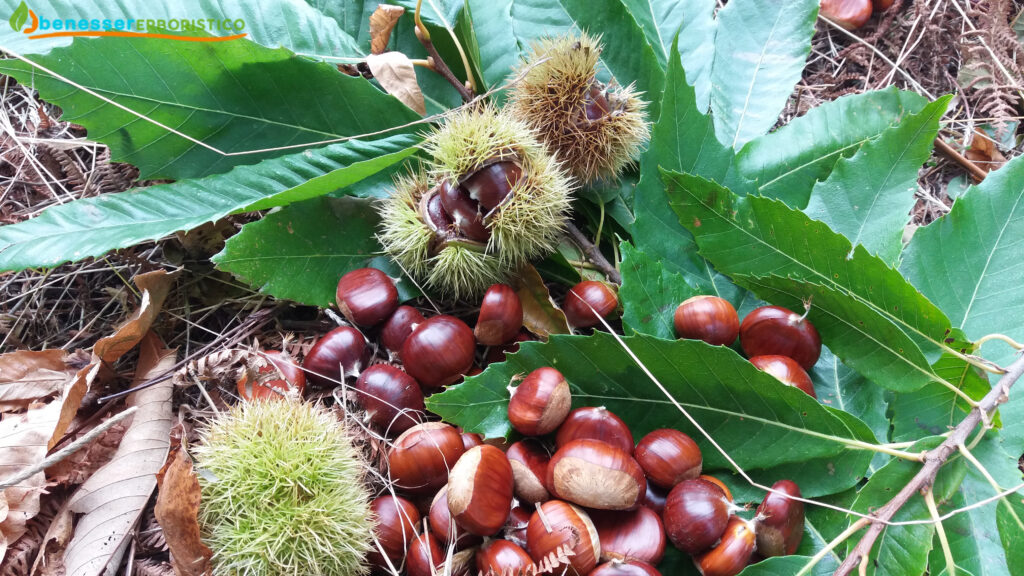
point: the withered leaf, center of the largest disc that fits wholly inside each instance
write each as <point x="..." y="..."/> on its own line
<point x="382" y="22"/>
<point x="397" y="75"/>
<point x="177" y="510"/>
<point x="27" y="376"/>
<point x="540" y="315"/>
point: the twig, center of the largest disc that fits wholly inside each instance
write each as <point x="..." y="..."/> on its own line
<point x="976" y="172"/>
<point x="439" y="64"/>
<point x="933" y="461"/>
<point x="593" y="254"/>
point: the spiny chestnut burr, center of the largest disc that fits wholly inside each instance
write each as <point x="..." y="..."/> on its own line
<point x="439" y="352"/>
<point x="397" y="328"/>
<point x="340" y="353"/>
<point x="586" y="298"/>
<point x="480" y="490"/>
<point x="636" y="535"/>
<point x="708" y="318"/>
<point x="540" y="403"/>
<point x="785" y="370"/>
<point x="775" y="330"/>
<point x="668" y="457"/>
<point x="447" y="531"/>
<point x="720" y="484"/>
<point x="597" y="475"/>
<point x="628" y="568"/>
<point x="501" y="316"/>
<point x="396" y="524"/>
<point x="366" y="296"/>
<point x="733" y="552"/>
<point x="529" y="462"/>
<point x="556" y="524"/>
<point x="598" y="424"/>
<point x="392" y="399"/>
<point x="696" y="514"/>
<point x="424" y="557"/>
<point x="421" y="457"/>
<point x="276" y="376"/>
<point x="779" y="523"/>
<point x="501" y="557"/>
<point x="515" y="527"/>
<point x="654" y="498"/>
<point x="850" y="14"/>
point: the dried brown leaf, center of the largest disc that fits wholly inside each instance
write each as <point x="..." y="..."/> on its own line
<point x="113" y="498"/>
<point x="177" y="509"/>
<point x="984" y="153"/>
<point x="382" y="21"/>
<point x="397" y="75"/>
<point x="50" y="561"/>
<point x="27" y="376"/>
<point x="540" y="314"/>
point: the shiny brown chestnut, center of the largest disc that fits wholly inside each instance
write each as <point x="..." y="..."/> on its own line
<point x="586" y="298"/>
<point x="491" y="184"/>
<point x="596" y="423"/>
<point x="340" y="353"/>
<point x="563" y="525"/>
<point x="470" y="440"/>
<point x="779" y="524"/>
<point x="447" y="531"/>
<point x="420" y="459"/>
<point x="785" y="370"/>
<point x="720" y="484"/>
<point x="515" y="527"/>
<point x="654" y="498"/>
<point x="708" y="318"/>
<point x="529" y="460"/>
<point x="276" y="376"/>
<point x="397" y="328"/>
<point x="775" y="330"/>
<point x="733" y="552"/>
<point x="596" y="475"/>
<point x="501" y="316"/>
<point x="464" y="211"/>
<point x="366" y="296"/>
<point x="392" y="399"/>
<point x="850" y="14"/>
<point x="540" y="403"/>
<point x="629" y="568"/>
<point x="636" y="535"/>
<point x="696" y="514"/>
<point x="668" y="457"/>
<point x="502" y="558"/>
<point x="480" y="490"/>
<point x="436" y="217"/>
<point x="439" y="352"/>
<point x="424" y="557"/>
<point x="396" y="523"/>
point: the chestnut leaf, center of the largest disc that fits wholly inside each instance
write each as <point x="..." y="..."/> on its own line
<point x="649" y="294"/>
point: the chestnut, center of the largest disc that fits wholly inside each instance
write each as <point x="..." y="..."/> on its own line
<point x="708" y="318"/>
<point x="515" y="527"/>
<point x="276" y="376"/>
<point x="668" y="457"/>
<point x="397" y="328"/>
<point x="850" y="14"/>
<point x="392" y="399"/>
<point x="779" y="524"/>
<point x="340" y="353"/>
<point x="882" y="5"/>
<point x="491" y="184"/>
<point x="366" y="296"/>
<point x="421" y="457"/>
<point x="439" y="352"/>
<point x="772" y="330"/>
<point x="501" y="316"/>
<point x="628" y="568"/>
<point x="396" y="523"/>
<point x="441" y="524"/>
<point x="464" y="211"/>
<point x="587" y="298"/>
<point x="720" y="484"/>
<point x="597" y="475"/>
<point x="556" y="524"/>
<point x="733" y="552"/>
<point x="540" y="403"/>
<point x="785" y="370"/>
<point x="597" y="424"/>
<point x="635" y="535"/>
<point x="480" y="490"/>
<point x="529" y="462"/>
<point x="696" y="514"/>
<point x="424" y="557"/>
<point x="502" y="558"/>
<point x="498" y="353"/>
<point x="654" y="498"/>
<point x="470" y="440"/>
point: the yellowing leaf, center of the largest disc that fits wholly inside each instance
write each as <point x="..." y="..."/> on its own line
<point x="396" y="74"/>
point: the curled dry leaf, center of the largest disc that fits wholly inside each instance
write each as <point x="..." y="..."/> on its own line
<point x="27" y="376"/>
<point x="984" y="153"/>
<point x="540" y="314"/>
<point x="382" y="21"/>
<point x="397" y="75"/>
<point x="113" y="498"/>
<point x="177" y="509"/>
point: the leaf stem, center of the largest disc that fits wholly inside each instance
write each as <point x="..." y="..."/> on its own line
<point x="593" y="254"/>
<point x="933" y="510"/>
<point x="1013" y="343"/>
<point x="438" y="63"/>
<point x="886" y="449"/>
<point x="853" y="528"/>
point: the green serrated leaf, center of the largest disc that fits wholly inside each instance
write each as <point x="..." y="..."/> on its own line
<point x="93" y="226"/>
<point x="868" y="196"/>
<point x="228" y="95"/>
<point x="763" y="425"/>
<point x="300" y="252"/>
<point x="785" y="164"/>
<point x="499" y="44"/>
<point x="787" y="566"/>
<point x="760" y="49"/>
<point x="649" y="294"/>
<point x="840" y="387"/>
